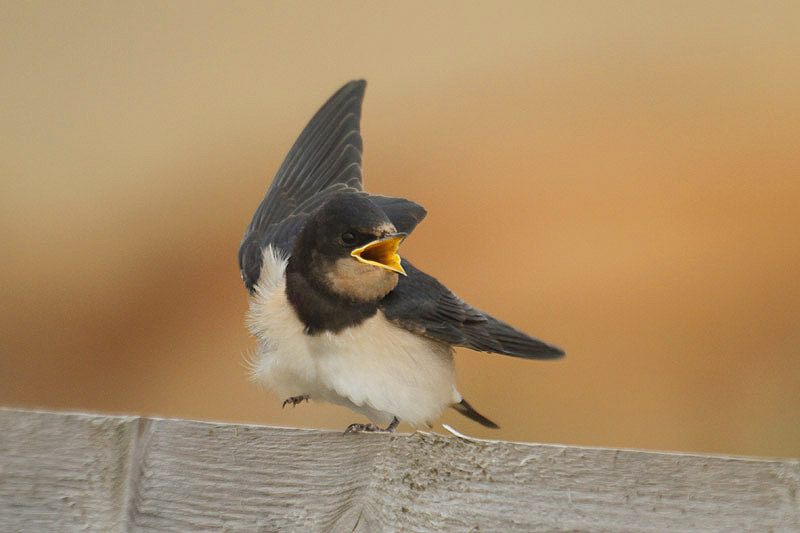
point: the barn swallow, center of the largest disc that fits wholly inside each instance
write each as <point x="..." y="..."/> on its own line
<point x="338" y="315"/>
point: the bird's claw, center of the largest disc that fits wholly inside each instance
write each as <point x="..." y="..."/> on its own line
<point x="363" y="428"/>
<point x="294" y="400"/>
<point x="371" y="428"/>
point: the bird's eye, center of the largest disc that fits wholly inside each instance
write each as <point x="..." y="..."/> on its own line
<point x="348" y="238"/>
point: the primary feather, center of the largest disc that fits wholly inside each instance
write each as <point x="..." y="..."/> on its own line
<point x="421" y="304"/>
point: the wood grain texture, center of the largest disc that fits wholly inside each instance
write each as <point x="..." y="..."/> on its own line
<point x="76" y="472"/>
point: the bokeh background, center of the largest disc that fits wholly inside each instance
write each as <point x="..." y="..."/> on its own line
<point x="621" y="179"/>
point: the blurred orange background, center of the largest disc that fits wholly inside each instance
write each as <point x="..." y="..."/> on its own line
<point x="621" y="180"/>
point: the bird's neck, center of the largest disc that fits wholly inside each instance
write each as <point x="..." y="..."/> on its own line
<point x="320" y="309"/>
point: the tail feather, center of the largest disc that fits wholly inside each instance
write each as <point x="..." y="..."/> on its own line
<point x="466" y="409"/>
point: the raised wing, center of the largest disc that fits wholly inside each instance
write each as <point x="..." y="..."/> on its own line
<point x="325" y="160"/>
<point x="424" y="306"/>
<point x="327" y="152"/>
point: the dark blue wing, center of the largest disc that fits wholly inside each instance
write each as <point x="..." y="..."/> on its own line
<point x="325" y="160"/>
<point x="424" y="306"/>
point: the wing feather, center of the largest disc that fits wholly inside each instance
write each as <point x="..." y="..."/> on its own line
<point x="424" y="306"/>
<point x="327" y="153"/>
<point x="325" y="160"/>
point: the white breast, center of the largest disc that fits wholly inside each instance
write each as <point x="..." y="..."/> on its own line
<point x="375" y="368"/>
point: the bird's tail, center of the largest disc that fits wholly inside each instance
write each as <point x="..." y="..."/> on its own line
<point x="466" y="409"/>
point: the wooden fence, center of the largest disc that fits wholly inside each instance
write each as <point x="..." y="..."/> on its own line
<point x="81" y="472"/>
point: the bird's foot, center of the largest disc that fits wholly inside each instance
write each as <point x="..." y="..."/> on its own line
<point x="372" y="428"/>
<point x="294" y="400"/>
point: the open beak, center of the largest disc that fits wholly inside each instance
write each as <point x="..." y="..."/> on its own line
<point x="382" y="253"/>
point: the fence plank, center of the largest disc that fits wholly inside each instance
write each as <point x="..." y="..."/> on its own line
<point x="69" y="472"/>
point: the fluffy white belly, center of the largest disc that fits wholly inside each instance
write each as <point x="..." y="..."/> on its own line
<point x="375" y="368"/>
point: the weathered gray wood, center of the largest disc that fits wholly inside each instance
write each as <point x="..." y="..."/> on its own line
<point x="69" y="472"/>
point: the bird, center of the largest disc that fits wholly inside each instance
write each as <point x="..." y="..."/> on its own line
<point x="337" y="314"/>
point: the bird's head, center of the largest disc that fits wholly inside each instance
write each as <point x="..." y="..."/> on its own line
<point x="349" y="247"/>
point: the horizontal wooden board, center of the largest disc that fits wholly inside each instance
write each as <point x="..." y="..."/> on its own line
<point x="81" y="472"/>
